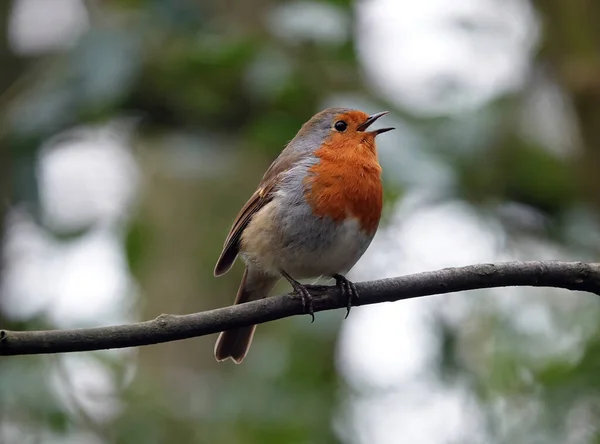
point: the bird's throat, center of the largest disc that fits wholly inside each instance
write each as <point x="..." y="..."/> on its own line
<point x="346" y="182"/>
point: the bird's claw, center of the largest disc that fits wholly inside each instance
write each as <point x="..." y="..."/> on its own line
<point x="307" y="300"/>
<point x="348" y="289"/>
<point x="300" y="290"/>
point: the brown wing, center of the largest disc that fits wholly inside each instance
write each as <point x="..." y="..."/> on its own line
<point x="262" y="196"/>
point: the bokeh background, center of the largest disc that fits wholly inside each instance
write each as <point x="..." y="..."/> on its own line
<point x="132" y="131"/>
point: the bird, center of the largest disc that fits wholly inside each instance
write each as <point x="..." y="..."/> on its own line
<point x="314" y="214"/>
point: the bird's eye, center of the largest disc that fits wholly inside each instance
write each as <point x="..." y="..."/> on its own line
<point x="340" y="125"/>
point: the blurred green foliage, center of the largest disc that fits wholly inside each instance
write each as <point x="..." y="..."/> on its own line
<point x="214" y="78"/>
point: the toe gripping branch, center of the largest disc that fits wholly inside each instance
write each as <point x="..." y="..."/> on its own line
<point x="348" y="290"/>
<point x="302" y="291"/>
<point x="346" y="287"/>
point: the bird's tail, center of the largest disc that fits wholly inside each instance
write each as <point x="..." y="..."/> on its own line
<point x="235" y="343"/>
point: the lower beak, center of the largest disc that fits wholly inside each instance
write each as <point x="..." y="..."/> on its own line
<point x="369" y="122"/>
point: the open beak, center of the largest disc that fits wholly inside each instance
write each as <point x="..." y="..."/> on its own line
<point x="369" y="122"/>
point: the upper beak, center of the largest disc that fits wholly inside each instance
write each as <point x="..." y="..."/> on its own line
<point x="372" y="118"/>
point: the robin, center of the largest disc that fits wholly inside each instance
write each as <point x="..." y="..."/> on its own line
<point x="314" y="214"/>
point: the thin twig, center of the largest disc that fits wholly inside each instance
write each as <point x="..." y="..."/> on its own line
<point x="577" y="276"/>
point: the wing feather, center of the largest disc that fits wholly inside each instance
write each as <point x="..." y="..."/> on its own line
<point x="261" y="197"/>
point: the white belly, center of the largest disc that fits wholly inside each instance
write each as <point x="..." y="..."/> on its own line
<point x="348" y="243"/>
<point x="303" y="245"/>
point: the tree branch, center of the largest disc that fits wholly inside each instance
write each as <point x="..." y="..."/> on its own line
<point x="577" y="276"/>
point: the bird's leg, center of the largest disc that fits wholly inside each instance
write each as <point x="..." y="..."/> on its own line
<point x="303" y="293"/>
<point x="348" y="289"/>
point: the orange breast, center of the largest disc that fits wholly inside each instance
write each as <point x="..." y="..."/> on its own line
<point x="347" y="183"/>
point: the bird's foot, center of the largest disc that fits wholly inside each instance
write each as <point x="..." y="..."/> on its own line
<point x="348" y="290"/>
<point x="302" y="291"/>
